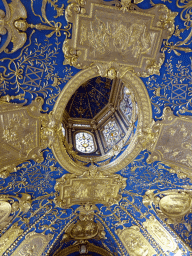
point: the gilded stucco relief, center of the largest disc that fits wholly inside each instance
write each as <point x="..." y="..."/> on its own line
<point x="52" y="202"/>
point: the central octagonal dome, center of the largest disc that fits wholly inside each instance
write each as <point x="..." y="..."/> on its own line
<point x="99" y="120"/>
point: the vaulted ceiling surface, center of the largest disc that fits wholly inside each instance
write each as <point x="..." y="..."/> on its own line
<point x="52" y="203"/>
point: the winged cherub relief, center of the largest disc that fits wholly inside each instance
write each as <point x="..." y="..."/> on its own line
<point x="13" y="23"/>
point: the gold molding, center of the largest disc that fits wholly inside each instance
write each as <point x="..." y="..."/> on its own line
<point x="160" y="234"/>
<point x="131" y="81"/>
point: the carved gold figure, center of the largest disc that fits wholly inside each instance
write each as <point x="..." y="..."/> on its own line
<point x="14" y="24"/>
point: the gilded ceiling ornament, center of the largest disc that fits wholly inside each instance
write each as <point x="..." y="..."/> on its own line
<point x="170" y="205"/>
<point x="161" y="235"/>
<point x="85" y="226"/>
<point x="11" y="207"/>
<point x="13" y="23"/>
<point x="135" y="243"/>
<point x="171" y="143"/>
<point x="24" y="132"/>
<point x="65" y="155"/>
<point x="33" y="245"/>
<point x="92" y="186"/>
<point x="125" y="35"/>
<point x="185" y="16"/>
<point x="9" y="237"/>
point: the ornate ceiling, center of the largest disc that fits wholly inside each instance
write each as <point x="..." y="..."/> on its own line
<point x="61" y="59"/>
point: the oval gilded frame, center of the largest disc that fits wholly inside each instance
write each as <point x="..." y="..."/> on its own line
<point x="144" y="120"/>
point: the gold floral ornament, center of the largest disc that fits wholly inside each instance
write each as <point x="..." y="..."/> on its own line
<point x="124" y="35"/>
<point x="92" y="186"/>
<point x="171" y="143"/>
<point x="24" y="132"/>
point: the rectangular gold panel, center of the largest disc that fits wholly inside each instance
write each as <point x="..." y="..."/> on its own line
<point x="76" y="190"/>
<point x="117" y="35"/>
<point x="134" y="242"/>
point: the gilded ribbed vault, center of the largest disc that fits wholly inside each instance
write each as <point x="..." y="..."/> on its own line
<point x="95" y="127"/>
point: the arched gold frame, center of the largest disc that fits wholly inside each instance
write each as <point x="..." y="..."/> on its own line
<point x="91" y="247"/>
<point x="144" y="120"/>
